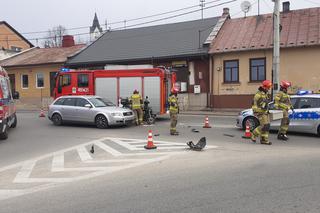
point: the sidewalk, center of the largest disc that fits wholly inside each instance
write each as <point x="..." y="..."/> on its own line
<point x="219" y="112"/>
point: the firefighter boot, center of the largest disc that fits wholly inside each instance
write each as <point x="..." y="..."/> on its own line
<point x="174" y="133"/>
<point x="253" y="138"/>
<point x="265" y="141"/>
<point x="283" y="137"/>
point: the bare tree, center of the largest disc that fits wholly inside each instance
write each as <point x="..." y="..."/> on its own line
<point x="54" y="37"/>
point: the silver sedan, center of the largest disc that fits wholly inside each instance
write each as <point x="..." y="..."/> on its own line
<point x="88" y="109"/>
<point x="305" y="118"/>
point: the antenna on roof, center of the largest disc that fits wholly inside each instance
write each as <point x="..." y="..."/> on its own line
<point x="245" y="7"/>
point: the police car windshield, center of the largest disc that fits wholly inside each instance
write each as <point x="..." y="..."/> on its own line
<point x="99" y="102"/>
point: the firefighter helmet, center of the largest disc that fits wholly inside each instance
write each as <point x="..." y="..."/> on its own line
<point x="285" y="84"/>
<point x="266" y="84"/>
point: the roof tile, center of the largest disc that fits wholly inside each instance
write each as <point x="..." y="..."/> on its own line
<point x="299" y="28"/>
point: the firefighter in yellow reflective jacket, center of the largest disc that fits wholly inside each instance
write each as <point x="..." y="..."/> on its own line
<point x="173" y="109"/>
<point x="260" y="110"/>
<point x="282" y="102"/>
<point x="136" y="105"/>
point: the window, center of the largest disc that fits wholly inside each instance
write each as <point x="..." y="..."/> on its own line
<point x="59" y="101"/>
<point x="5" y="87"/>
<point x="305" y="103"/>
<point x="294" y="102"/>
<point x="40" y="80"/>
<point x="16" y="49"/>
<point x="81" y="102"/>
<point x="69" y="102"/>
<point x="64" y="80"/>
<point x="258" y="69"/>
<point x="231" y="71"/>
<point x="24" y="81"/>
<point x="83" y="80"/>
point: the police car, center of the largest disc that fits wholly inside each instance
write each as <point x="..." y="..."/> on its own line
<point x="304" y="118"/>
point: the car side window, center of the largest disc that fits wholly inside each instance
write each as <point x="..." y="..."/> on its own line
<point x="294" y="102"/>
<point x="81" y="102"/>
<point x="69" y="102"/>
<point x="306" y="103"/>
<point x="59" y="101"/>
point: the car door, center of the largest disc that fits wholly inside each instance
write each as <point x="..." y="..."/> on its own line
<point x="305" y="114"/>
<point x="68" y="109"/>
<point x="83" y="113"/>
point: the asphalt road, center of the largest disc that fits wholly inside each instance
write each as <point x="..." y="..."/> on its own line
<point x="44" y="168"/>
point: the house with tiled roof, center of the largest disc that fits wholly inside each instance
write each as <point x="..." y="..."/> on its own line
<point x="11" y="41"/>
<point x="32" y="72"/>
<point x="242" y="55"/>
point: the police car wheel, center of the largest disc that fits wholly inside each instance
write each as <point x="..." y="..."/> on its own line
<point x="101" y="122"/>
<point x="56" y="119"/>
<point x="252" y="121"/>
<point x="4" y="134"/>
<point x="319" y="130"/>
<point x="14" y="124"/>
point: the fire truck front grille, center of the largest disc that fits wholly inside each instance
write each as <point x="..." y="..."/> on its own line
<point x="127" y="113"/>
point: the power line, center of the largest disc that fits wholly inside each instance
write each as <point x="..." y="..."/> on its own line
<point x="143" y="23"/>
<point x="127" y="20"/>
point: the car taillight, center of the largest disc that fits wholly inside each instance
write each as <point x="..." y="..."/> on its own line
<point x="1" y="112"/>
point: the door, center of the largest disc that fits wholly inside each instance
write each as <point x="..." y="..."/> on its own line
<point x="52" y="82"/>
<point x="305" y="113"/>
<point x="64" y="85"/>
<point x="82" y="113"/>
<point x="68" y="109"/>
<point x="12" y="78"/>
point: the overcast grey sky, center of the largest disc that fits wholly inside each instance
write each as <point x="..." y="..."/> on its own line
<point x="40" y="15"/>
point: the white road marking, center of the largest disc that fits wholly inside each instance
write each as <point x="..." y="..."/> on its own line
<point x="107" y="148"/>
<point x="84" y="154"/>
<point x="58" y="163"/>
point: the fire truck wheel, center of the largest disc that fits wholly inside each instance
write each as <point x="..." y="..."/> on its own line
<point x="56" y="119"/>
<point x="14" y="124"/>
<point x="4" y="134"/>
<point x="101" y="122"/>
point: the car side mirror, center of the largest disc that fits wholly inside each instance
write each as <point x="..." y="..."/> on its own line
<point x="16" y="95"/>
<point x="88" y="106"/>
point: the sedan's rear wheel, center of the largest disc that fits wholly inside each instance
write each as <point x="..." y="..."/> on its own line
<point x="56" y="119"/>
<point x="101" y="122"/>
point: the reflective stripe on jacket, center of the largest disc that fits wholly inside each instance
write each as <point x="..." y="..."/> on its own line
<point x="136" y="101"/>
<point x="173" y="102"/>
<point x="260" y="102"/>
<point x="282" y="101"/>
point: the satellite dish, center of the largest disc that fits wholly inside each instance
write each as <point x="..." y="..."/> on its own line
<point x="246" y="7"/>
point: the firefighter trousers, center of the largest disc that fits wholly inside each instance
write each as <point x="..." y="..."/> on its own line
<point x="174" y="121"/>
<point x="263" y="129"/>
<point x="139" y="115"/>
<point x="284" y="123"/>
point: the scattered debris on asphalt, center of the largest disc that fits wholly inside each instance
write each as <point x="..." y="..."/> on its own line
<point x="199" y="146"/>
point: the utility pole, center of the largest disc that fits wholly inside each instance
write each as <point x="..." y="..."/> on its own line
<point x="276" y="47"/>
<point x="202" y="5"/>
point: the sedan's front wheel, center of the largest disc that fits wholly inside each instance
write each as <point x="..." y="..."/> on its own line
<point x="101" y="122"/>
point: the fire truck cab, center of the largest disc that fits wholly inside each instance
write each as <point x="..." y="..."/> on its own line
<point x="8" y="117"/>
<point x="114" y="85"/>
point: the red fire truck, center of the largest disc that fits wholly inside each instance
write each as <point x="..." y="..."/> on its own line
<point x="156" y="83"/>
<point x="8" y="118"/>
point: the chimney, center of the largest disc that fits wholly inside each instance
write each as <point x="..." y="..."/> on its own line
<point x="226" y="11"/>
<point x="67" y="41"/>
<point x="286" y="6"/>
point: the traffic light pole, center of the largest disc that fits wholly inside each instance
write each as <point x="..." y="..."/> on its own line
<point x="276" y="47"/>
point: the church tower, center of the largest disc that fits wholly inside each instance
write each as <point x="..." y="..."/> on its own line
<point x="95" y="29"/>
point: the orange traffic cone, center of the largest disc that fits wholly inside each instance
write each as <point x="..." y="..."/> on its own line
<point x="42" y="115"/>
<point x="206" y="123"/>
<point x="150" y="144"/>
<point x="247" y="133"/>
